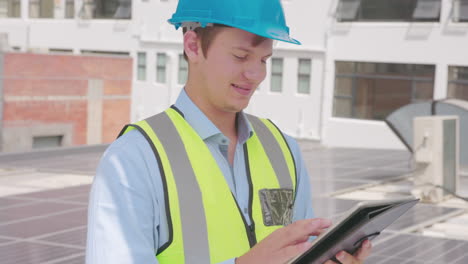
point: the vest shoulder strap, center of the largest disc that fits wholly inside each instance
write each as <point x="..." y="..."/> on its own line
<point x="277" y="150"/>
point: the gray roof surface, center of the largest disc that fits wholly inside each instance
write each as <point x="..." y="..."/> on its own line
<point x="49" y="226"/>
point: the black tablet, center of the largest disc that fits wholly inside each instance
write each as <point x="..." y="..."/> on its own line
<point x="364" y="221"/>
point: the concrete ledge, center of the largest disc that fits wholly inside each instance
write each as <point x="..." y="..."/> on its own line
<point x="51" y="152"/>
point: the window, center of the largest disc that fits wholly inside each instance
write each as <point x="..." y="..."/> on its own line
<point x="69" y="8"/>
<point x="46" y="8"/>
<point x="303" y="80"/>
<point x="386" y="10"/>
<point x="10" y="8"/>
<point x="373" y="90"/>
<point x="141" y="72"/>
<point x="347" y="9"/>
<point x="183" y="70"/>
<point x="47" y="142"/>
<point x="161" y="67"/>
<point x="106" y="9"/>
<point x="457" y="82"/>
<point x="276" y="74"/>
<point x="427" y="10"/>
<point x="124" y="9"/>
<point x="41" y="8"/>
<point x="460" y="11"/>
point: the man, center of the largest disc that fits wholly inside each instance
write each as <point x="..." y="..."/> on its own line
<point x="203" y="182"/>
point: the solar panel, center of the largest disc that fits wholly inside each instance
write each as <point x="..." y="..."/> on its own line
<point x="64" y="226"/>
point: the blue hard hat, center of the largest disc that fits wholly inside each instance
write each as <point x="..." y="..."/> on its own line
<point x="261" y="17"/>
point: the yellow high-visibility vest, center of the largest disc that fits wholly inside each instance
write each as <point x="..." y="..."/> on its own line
<point x="205" y="222"/>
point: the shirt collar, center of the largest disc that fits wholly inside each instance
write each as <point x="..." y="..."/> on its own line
<point x="203" y="126"/>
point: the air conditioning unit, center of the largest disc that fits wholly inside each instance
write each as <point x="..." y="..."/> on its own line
<point x="436" y="157"/>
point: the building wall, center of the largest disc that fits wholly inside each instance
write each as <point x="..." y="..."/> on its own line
<point x="314" y="23"/>
<point x="296" y="114"/>
<point x="150" y="97"/>
<point x="85" y="99"/>
<point x="148" y="31"/>
<point x="440" y="43"/>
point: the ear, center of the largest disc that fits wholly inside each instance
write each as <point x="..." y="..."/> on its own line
<point x="192" y="46"/>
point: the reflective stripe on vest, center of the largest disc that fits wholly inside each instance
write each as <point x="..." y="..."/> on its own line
<point x="206" y="224"/>
<point x="268" y="146"/>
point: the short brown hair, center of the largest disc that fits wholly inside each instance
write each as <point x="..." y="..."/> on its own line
<point x="209" y="33"/>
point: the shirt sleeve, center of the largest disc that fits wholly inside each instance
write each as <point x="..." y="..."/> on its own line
<point x="303" y="203"/>
<point x="123" y="214"/>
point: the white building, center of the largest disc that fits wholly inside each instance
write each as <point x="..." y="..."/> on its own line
<point x="360" y="59"/>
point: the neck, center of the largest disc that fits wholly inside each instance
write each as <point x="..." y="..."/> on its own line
<point x="225" y="121"/>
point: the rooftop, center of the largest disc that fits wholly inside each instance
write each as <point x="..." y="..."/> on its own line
<point x="44" y="196"/>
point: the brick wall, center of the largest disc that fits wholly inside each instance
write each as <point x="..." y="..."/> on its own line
<point x="86" y="99"/>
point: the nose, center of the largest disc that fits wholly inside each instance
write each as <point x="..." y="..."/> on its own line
<point x="255" y="72"/>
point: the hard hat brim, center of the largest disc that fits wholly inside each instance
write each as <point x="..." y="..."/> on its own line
<point x="271" y="33"/>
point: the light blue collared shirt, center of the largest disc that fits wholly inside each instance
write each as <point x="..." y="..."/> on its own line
<point x="126" y="215"/>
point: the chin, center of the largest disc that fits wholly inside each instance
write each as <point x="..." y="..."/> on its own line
<point x="236" y="105"/>
<point x="236" y="108"/>
<point x="240" y="108"/>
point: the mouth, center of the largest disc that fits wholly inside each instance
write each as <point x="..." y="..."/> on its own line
<point x="241" y="89"/>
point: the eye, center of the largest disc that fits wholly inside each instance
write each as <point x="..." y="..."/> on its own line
<point x="265" y="60"/>
<point x="240" y="57"/>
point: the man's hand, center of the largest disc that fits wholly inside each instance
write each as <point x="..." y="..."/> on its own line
<point x="358" y="258"/>
<point x="285" y="243"/>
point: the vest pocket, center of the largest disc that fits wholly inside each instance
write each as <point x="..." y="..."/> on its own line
<point x="277" y="205"/>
